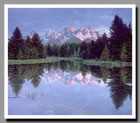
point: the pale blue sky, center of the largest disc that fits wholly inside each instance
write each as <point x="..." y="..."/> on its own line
<point x="42" y="19"/>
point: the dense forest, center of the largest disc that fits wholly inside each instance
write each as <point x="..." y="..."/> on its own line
<point x="116" y="46"/>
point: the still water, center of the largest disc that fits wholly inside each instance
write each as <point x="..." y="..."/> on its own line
<point x="69" y="88"/>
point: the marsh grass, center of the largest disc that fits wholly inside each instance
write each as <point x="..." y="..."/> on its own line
<point x="47" y="60"/>
<point x="108" y="64"/>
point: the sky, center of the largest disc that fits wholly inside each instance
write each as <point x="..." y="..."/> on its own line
<point x="43" y="19"/>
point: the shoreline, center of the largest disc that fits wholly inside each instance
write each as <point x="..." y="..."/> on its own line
<point x="84" y="61"/>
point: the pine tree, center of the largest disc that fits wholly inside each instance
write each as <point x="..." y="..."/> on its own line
<point x="34" y="53"/>
<point x="45" y="51"/>
<point x="54" y="49"/>
<point x="92" y="49"/>
<point x="99" y="47"/>
<point x="49" y="50"/>
<point x="27" y="48"/>
<point x="119" y="33"/>
<point x="36" y="43"/>
<point x="63" y="51"/>
<point x="105" y="39"/>
<point x="129" y="51"/>
<point x="15" y="43"/>
<point x="83" y="50"/>
<point x="105" y="54"/>
<point x="124" y="53"/>
<point x="78" y="51"/>
<point x="20" y="54"/>
<point x="28" y="42"/>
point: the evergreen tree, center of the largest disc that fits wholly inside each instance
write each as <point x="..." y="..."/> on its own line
<point x="15" y="43"/>
<point x="37" y="45"/>
<point x="105" y="39"/>
<point x="129" y="51"/>
<point x="105" y="54"/>
<point x="45" y="52"/>
<point x="124" y="53"/>
<point x="54" y="49"/>
<point x="34" y="53"/>
<point x="83" y="50"/>
<point x="99" y="47"/>
<point x="27" y="48"/>
<point x="28" y="42"/>
<point x="78" y="51"/>
<point x="63" y="51"/>
<point x="119" y="33"/>
<point x="49" y="50"/>
<point x="20" y="54"/>
<point x="58" y="50"/>
<point x="92" y="49"/>
<point x="116" y="31"/>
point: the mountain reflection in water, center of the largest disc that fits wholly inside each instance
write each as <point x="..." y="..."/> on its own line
<point x="117" y="80"/>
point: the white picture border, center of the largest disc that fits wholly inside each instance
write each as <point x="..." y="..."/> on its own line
<point x="6" y="116"/>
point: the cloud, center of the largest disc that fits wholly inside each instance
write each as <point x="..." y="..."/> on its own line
<point x="108" y="17"/>
<point x="42" y="19"/>
<point x="102" y="29"/>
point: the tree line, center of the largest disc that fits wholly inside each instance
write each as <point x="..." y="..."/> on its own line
<point x="116" y="46"/>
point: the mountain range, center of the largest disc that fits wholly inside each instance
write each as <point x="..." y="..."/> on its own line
<point x="69" y="34"/>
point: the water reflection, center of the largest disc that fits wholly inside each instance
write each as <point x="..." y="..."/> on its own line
<point x="70" y="73"/>
<point x="119" y="89"/>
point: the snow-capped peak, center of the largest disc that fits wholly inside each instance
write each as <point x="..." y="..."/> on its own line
<point x="69" y="34"/>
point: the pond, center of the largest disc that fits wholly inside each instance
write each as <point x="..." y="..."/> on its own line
<point x="69" y="88"/>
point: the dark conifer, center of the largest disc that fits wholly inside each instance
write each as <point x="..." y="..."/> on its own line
<point x="105" y="54"/>
<point x="15" y="44"/>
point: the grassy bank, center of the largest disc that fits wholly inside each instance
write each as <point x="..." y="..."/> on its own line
<point x="47" y="60"/>
<point x="108" y="64"/>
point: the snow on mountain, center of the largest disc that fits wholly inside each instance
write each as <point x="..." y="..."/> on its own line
<point x="32" y="33"/>
<point x="69" y="34"/>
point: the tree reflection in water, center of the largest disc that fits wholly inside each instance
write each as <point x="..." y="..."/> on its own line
<point x="18" y="73"/>
<point x="119" y="90"/>
<point x="80" y="73"/>
<point x="15" y="78"/>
